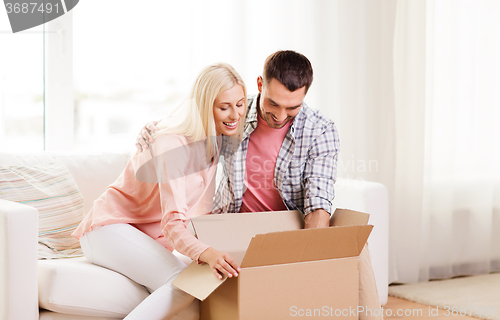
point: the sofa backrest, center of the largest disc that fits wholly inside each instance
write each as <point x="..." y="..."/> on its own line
<point x="92" y="173"/>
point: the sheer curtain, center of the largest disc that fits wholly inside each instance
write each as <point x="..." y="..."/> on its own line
<point x="413" y="88"/>
<point x="446" y="214"/>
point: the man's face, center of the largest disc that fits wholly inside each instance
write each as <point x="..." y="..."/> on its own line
<point x="278" y="105"/>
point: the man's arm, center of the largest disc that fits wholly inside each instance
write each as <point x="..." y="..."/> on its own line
<point x="319" y="177"/>
<point x="317" y="219"/>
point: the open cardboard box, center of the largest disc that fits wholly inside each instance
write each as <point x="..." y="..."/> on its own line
<point x="286" y="270"/>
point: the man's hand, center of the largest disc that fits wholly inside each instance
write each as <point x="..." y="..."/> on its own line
<point x="146" y="135"/>
<point x="317" y="219"/>
<point x="220" y="262"/>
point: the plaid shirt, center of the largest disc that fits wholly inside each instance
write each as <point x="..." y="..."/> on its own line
<point x="305" y="170"/>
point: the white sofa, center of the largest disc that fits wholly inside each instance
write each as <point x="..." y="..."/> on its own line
<point x="74" y="289"/>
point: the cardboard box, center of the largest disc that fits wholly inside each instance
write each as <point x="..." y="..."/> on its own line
<point x="287" y="271"/>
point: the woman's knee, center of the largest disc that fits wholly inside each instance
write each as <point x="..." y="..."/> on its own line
<point x="86" y="248"/>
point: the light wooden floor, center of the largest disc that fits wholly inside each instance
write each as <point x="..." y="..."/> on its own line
<point x="409" y="310"/>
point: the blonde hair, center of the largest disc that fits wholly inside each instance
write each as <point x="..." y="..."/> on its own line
<point x="194" y="118"/>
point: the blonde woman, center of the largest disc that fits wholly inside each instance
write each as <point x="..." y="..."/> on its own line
<point x="141" y="218"/>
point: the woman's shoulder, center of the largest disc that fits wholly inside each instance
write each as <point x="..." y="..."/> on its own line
<point x="168" y="142"/>
<point x="177" y="139"/>
<point x="163" y="143"/>
<point x="164" y="146"/>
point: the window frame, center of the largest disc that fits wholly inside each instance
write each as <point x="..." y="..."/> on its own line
<point x="58" y="85"/>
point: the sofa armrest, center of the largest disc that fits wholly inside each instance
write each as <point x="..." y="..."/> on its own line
<point x="372" y="198"/>
<point x="18" y="261"/>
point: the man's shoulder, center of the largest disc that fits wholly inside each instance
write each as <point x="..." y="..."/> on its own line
<point x="313" y="119"/>
<point x="252" y="107"/>
<point x="251" y="98"/>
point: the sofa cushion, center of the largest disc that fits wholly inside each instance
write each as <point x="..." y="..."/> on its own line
<point x="50" y="189"/>
<point x="49" y="315"/>
<point x="75" y="286"/>
<point x="92" y="173"/>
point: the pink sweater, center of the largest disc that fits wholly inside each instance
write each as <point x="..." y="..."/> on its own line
<point x="160" y="199"/>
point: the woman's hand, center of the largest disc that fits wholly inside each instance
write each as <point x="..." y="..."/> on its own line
<point x="146" y="135"/>
<point x="220" y="262"/>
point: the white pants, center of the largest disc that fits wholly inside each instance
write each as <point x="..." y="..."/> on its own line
<point x="125" y="249"/>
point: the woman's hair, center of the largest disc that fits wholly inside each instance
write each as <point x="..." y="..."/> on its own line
<point x="194" y="118"/>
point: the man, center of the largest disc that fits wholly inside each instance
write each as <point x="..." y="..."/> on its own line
<point x="287" y="158"/>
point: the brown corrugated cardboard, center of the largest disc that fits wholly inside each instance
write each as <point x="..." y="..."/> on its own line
<point x="286" y="271"/>
<point x="305" y="245"/>
<point x="233" y="232"/>
<point x="198" y="280"/>
<point x="230" y="233"/>
<point x="279" y="291"/>
<point x="346" y="217"/>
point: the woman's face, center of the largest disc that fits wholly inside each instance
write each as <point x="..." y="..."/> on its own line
<point x="229" y="110"/>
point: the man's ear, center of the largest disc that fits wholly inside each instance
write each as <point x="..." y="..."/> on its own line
<point x="260" y="83"/>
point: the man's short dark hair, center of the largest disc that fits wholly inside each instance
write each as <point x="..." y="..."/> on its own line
<point x="290" y="68"/>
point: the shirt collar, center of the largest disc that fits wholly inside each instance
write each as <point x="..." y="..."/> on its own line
<point x="253" y="109"/>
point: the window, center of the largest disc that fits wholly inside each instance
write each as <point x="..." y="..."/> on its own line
<point x="107" y="67"/>
<point x="21" y="89"/>
<point x="127" y="71"/>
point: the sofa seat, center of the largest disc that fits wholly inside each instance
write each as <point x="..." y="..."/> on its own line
<point x="48" y="315"/>
<point x="64" y="286"/>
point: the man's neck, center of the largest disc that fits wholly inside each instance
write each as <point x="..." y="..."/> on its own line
<point x="259" y="111"/>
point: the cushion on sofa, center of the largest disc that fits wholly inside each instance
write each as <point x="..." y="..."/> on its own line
<point x="49" y="315"/>
<point x="75" y="286"/>
<point x="49" y="188"/>
<point x="92" y="172"/>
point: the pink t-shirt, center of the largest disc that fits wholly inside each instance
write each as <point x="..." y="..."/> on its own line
<point x="160" y="196"/>
<point x="263" y="148"/>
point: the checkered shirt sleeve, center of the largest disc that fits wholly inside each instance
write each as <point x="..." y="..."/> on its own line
<point x="320" y="171"/>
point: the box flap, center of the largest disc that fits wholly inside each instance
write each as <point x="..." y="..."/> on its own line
<point x="306" y="245"/>
<point x="198" y="280"/>
<point x="346" y="217"/>
<point x="233" y="232"/>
